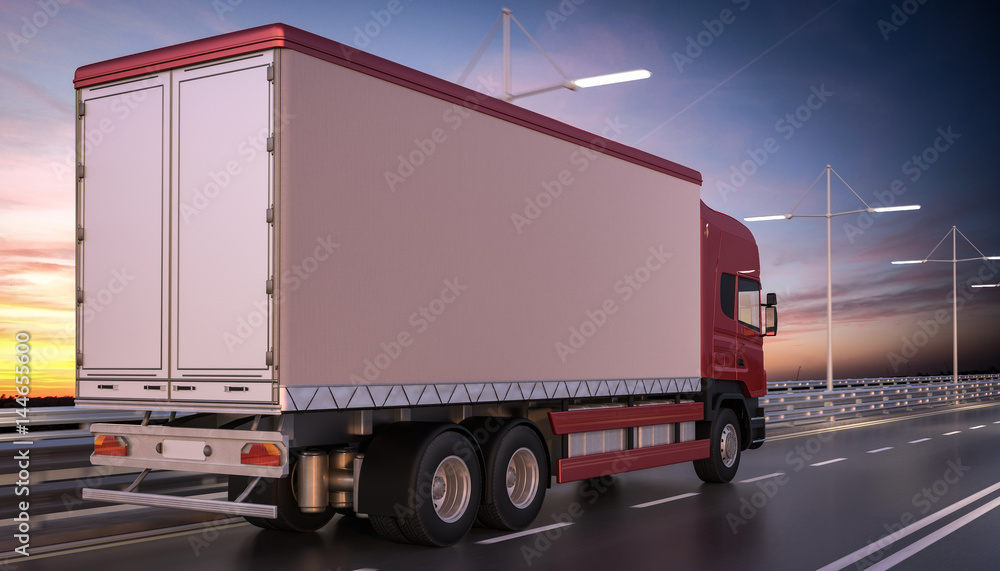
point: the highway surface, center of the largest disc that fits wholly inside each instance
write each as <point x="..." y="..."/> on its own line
<point x="918" y="493"/>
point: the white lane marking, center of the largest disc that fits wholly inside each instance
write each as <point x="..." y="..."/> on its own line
<point x="932" y="538"/>
<point x="918" y="441"/>
<point x="828" y="462"/>
<point x="768" y="476"/>
<point x="881" y="544"/>
<point x="950" y="433"/>
<point x="664" y="500"/>
<point x="978" y="427"/>
<point x="524" y="533"/>
<point x="877" y="450"/>
<point x="996" y="422"/>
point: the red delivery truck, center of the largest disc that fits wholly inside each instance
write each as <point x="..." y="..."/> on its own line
<point x="360" y="289"/>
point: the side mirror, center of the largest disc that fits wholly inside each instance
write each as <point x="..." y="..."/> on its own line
<point x="771" y="316"/>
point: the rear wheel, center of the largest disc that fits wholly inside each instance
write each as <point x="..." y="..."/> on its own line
<point x="279" y="492"/>
<point x="517" y="475"/>
<point x="447" y="492"/>
<point x="724" y="444"/>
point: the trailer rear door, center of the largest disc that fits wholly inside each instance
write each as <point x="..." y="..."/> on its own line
<point x="122" y="229"/>
<point x="222" y="237"/>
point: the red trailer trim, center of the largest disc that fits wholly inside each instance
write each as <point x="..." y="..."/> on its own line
<point x="284" y="36"/>
<point x="597" y="465"/>
<point x="574" y="421"/>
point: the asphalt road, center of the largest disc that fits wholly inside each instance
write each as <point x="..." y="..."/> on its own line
<point x="917" y="493"/>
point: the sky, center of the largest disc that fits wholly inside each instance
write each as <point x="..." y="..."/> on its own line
<point x="899" y="97"/>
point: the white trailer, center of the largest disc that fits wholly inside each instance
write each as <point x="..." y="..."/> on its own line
<point x="370" y="281"/>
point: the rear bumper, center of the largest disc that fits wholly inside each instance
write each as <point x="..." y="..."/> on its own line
<point x="212" y="451"/>
<point x="196" y="504"/>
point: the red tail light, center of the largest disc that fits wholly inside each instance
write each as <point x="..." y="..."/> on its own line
<point x="259" y="454"/>
<point x="105" y="445"/>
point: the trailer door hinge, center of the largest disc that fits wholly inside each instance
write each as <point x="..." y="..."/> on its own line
<point x="269" y="287"/>
<point x="270" y="72"/>
<point x="79" y="359"/>
<point x="81" y="109"/>
<point x="79" y="171"/>
<point x="269" y="358"/>
<point x="270" y="144"/>
<point x="79" y="233"/>
<point x="79" y="295"/>
<point x="270" y="215"/>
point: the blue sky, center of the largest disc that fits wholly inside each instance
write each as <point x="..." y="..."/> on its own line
<point x="759" y="97"/>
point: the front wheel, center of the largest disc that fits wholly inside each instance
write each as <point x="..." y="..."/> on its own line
<point x="724" y="450"/>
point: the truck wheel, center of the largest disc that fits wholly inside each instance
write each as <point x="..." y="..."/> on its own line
<point x="448" y="487"/>
<point x="387" y="527"/>
<point x="278" y="492"/>
<point x="724" y="445"/>
<point x="516" y="474"/>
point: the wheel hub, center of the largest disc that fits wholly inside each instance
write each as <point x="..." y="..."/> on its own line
<point x="729" y="445"/>
<point x="451" y="488"/>
<point x="522" y="478"/>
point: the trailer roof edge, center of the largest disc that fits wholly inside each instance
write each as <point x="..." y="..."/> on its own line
<point x="284" y="36"/>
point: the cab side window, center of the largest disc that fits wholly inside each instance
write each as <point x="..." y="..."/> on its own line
<point x="727" y="295"/>
<point x="749" y="303"/>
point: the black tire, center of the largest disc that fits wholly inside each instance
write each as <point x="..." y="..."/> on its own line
<point x="278" y="492"/>
<point x="448" y="466"/>
<point x="517" y="475"/>
<point x="725" y="443"/>
<point x="388" y="528"/>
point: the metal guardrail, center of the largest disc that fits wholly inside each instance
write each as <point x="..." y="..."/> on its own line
<point x="778" y="386"/>
<point x="795" y="407"/>
<point x="788" y="403"/>
<point x="64" y="415"/>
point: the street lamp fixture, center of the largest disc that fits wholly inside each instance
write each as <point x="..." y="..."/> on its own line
<point x="829" y="255"/>
<point x="506" y="17"/>
<point x="954" y="288"/>
<point x="612" y="78"/>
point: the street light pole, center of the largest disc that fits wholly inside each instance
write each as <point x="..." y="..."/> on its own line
<point x="829" y="250"/>
<point x="954" y="286"/>
<point x="954" y="305"/>
<point x="506" y="51"/>
<point x="506" y="18"/>
<point x="829" y="287"/>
